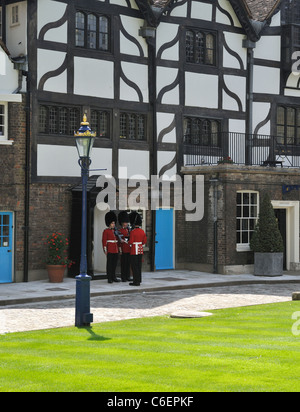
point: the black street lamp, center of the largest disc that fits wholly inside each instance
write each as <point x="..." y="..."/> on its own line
<point x="84" y="143"/>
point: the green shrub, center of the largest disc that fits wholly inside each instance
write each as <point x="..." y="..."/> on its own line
<point x="267" y="237"/>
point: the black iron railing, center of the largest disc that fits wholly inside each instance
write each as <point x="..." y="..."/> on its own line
<point x="241" y="149"/>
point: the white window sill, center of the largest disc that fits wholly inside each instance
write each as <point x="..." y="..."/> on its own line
<point x="243" y="247"/>
<point x="6" y="142"/>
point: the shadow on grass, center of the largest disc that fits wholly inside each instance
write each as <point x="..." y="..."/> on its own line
<point x="94" y="336"/>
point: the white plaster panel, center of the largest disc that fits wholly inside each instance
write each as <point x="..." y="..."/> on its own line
<point x="93" y="77"/>
<point x="164" y="120"/>
<point x="268" y="48"/>
<point x="237" y="85"/>
<point x="8" y="75"/>
<point x="138" y="74"/>
<point x="166" y="33"/>
<point x="59" y="35"/>
<point x="57" y="161"/>
<point x="260" y="113"/>
<point x="180" y="11"/>
<point x="165" y="77"/>
<point x="63" y="160"/>
<point x="133" y="163"/>
<point x="119" y="2"/>
<point x="132" y="27"/>
<point x="292" y="92"/>
<point x="50" y="11"/>
<point x="128" y="47"/>
<point x="163" y="159"/>
<point x="266" y="80"/>
<point x="201" y="90"/>
<point x="57" y="84"/>
<point x="237" y="126"/>
<point x="222" y="18"/>
<point x="201" y="11"/>
<point x="235" y="43"/>
<point x="49" y="60"/>
<point x="276" y="20"/>
<point x="16" y="35"/>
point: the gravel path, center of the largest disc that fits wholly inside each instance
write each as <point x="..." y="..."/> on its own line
<point x="55" y="314"/>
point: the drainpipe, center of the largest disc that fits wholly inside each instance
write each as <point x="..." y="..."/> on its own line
<point x="249" y="45"/>
<point x="214" y="182"/>
<point x="27" y="177"/>
<point x="149" y="33"/>
<point x="20" y="64"/>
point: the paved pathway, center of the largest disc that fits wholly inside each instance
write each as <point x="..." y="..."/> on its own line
<point x="107" y="307"/>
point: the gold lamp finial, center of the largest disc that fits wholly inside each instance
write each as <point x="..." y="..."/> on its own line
<point x="84" y="122"/>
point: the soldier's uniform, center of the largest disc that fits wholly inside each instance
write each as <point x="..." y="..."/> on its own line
<point x="137" y="241"/>
<point x="124" y="246"/>
<point x="110" y="247"/>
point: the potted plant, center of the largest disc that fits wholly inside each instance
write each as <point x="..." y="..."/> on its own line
<point x="225" y="160"/>
<point x="57" y="259"/>
<point x="267" y="242"/>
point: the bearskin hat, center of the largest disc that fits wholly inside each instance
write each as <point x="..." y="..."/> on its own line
<point x="123" y="217"/>
<point x="110" y="217"/>
<point x="135" y="219"/>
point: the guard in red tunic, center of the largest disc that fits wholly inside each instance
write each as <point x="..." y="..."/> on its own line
<point x="137" y="241"/>
<point x="124" y="246"/>
<point x="110" y="247"/>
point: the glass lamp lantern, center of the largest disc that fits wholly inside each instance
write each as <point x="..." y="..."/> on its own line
<point x="84" y="139"/>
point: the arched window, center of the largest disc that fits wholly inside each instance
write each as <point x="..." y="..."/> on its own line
<point x="92" y="31"/>
<point x="103" y="33"/>
<point x="200" y="47"/>
<point x="80" y="29"/>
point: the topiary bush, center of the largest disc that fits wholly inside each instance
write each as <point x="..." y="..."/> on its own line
<point x="267" y="237"/>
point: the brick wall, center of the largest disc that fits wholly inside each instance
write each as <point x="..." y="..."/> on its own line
<point x="198" y="251"/>
<point x="50" y="204"/>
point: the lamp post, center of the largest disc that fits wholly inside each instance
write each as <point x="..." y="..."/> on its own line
<point x="84" y="143"/>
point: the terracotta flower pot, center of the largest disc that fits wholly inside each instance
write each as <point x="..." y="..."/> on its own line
<point x="56" y="273"/>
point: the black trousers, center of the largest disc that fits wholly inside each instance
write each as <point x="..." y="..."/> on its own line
<point x="136" y="264"/>
<point x="111" y="266"/>
<point x="125" y="266"/>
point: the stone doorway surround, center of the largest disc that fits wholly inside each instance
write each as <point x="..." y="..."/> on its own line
<point x="292" y="231"/>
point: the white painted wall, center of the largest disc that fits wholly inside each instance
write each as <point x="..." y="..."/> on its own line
<point x="58" y="161"/>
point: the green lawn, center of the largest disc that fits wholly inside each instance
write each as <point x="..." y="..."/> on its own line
<point x="244" y="349"/>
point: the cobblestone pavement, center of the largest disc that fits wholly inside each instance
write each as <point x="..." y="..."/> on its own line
<point x="45" y="315"/>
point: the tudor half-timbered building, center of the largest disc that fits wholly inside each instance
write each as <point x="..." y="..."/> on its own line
<point x="208" y="87"/>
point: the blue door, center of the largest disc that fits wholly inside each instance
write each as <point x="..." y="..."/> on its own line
<point x="164" y="240"/>
<point x="6" y="238"/>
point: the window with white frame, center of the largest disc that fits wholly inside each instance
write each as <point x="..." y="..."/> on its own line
<point x="15" y="15"/>
<point x="247" y="210"/>
<point x="3" y="121"/>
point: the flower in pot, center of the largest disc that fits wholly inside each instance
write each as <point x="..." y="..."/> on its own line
<point x="267" y="242"/>
<point x="225" y="160"/>
<point x="57" y="259"/>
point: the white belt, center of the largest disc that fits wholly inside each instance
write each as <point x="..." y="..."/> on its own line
<point x="111" y="241"/>
<point x="137" y="246"/>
